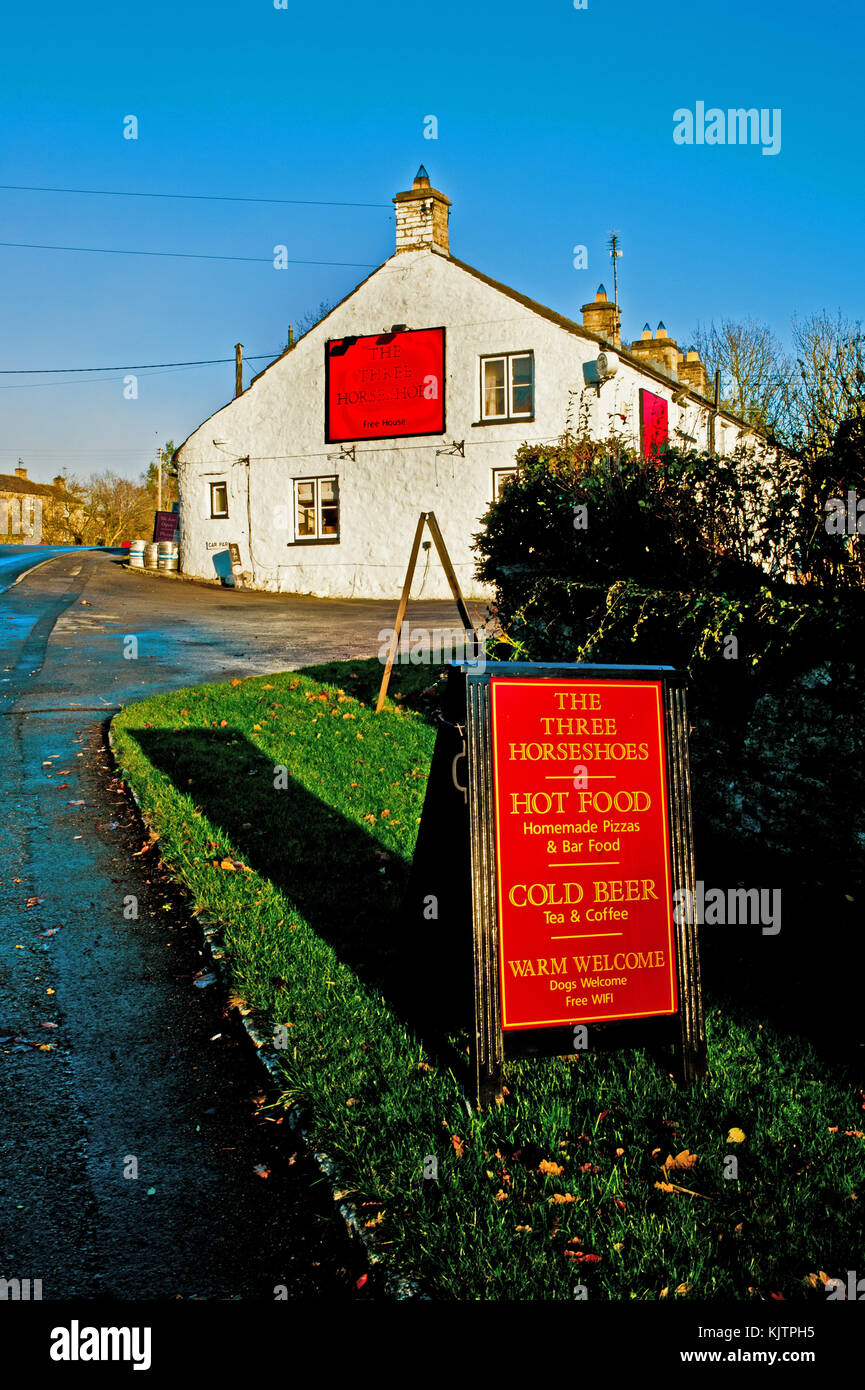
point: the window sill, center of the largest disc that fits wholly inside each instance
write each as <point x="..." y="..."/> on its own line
<point x="505" y="420"/>
<point x="315" y="540"/>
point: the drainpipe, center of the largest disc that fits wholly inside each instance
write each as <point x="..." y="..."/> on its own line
<point x="713" y="417"/>
<point x="246" y="460"/>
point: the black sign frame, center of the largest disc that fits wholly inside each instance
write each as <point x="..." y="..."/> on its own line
<point x="686" y="1028"/>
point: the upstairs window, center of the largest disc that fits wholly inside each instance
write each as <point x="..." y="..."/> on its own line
<point x="316" y="509"/>
<point x="508" y="386"/>
<point x="218" y="499"/>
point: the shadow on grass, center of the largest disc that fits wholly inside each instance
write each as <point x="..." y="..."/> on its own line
<point x="342" y="881"/>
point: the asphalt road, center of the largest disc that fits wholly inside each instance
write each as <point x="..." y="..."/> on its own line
<point x="114" y="1062"/>
<point x="16" y="560"/>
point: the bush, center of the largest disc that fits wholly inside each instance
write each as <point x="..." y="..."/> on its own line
<point x="688" y="561"/>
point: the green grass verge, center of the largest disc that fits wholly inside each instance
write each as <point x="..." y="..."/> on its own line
<point x="560" y="1186"/>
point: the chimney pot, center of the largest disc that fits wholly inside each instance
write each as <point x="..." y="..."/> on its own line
<point x="20" y="472"/>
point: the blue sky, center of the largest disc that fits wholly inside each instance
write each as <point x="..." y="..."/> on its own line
<point x="554" y="126"/>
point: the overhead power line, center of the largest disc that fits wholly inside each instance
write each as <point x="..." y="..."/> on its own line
<point x="193" y="197"/>
<point x="182" y="255"/>
<point x="138" y="367"/>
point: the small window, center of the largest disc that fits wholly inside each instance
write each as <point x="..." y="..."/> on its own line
<point x="218" y="499"/>
<point x="508" y="386"/>
<point x="501" y="478"/>
<point x="316" y="509"/>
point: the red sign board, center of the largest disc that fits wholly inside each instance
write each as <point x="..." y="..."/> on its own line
<point x="385" y="385"/>
<point x="585" y="924"/>
<point x="654" y="429"/>
<point x="165" y="526"/>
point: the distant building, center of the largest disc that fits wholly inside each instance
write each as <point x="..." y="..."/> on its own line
<point x="33" y="512"/>
<point x="413" y="395"/>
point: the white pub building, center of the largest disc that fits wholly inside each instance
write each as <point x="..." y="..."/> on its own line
<point x="413" y="395"/>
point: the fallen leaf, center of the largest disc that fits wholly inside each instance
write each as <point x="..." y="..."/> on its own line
<point x="553" y="1169"/>
<point x="34" y="902"/>
<point x="501" y="1195"/>
<point x="459" y="1145"/>
<point x="683" y="1160"/>
<point x="359" y="1283"/>
<point x="682" y="1290"/>
<point x="562" y="1198"/>
<point x="236" y="681"/>
<point x="261" y="1170"/>
<point x="736" y="1136"/>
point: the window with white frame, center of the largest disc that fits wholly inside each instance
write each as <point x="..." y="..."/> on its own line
<point x="218" y="499"/>
<point x="501" y="478"/>
<point x="316" y="509"/>
<point x="508" y="386"/>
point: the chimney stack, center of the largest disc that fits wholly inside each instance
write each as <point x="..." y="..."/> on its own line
<point x="21" y="473"/>
<point x="422" y="217"/>
<point x="693" y="371"/>
<point x="603" y="318"/>
<point x="60" y="482"/>
<point x="661" y="350"/>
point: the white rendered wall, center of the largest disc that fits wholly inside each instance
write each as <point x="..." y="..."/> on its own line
<point x="279" y="423"/>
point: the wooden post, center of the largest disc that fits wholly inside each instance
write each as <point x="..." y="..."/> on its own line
<point x="238" y="369"/>
<point x="449" y="571"/>
<point x="430" y="519"/>
<point x="394" y="641"/>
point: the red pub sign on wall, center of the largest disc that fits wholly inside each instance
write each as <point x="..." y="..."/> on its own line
<point x="579" y="807"/>
<point x="385" y="385"/>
